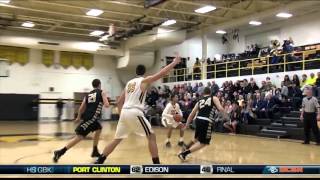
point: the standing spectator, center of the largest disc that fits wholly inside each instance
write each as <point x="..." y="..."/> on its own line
<point x="310" y="107"/>
<point x="59" y="107"/>
<point x="214" y="88"/>
<point x="286" y="81"/>
<point x="197" y="70"/>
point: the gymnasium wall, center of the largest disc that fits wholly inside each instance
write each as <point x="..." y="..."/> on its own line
<point x="36" y="78"/>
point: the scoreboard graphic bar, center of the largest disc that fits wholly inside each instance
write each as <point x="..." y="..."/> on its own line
<point x="159" y="169"/>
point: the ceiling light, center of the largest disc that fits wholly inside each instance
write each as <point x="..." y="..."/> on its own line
<point x="205" y="9"/>
<point x="96" y="33"/>
<point x="169" y="22"/>
<point x="284" y="15"/>
<point x="255" y="23"/>
<point x="94" y="12"/>
<point x="28" y="24"/>
<point x="5" y="1"/>
<point x="221" y="32"/>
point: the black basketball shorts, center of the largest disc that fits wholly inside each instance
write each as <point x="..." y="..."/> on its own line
<point x="85" y="127"/>
<point x="203" y="131"/>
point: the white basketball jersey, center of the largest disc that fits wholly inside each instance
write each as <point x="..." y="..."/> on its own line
<point x="134" y="98"/>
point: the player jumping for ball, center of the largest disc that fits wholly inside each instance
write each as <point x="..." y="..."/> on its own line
<point x="90" y="111"/>
<point x="207" y="108"/>
<point x="131" y="109"/>
<point x="171" y="117"/>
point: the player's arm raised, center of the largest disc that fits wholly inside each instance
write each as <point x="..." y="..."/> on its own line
<point x="121" y="101"/>
<point x="162" y="72"/>
<point x="81" y="110"/>
<point x="106" y="103"/>
<point x="192" y="115"/>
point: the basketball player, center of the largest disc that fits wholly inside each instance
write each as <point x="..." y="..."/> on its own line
<point x="207" y="112"/>
<point x="172" y="109"/>
<point x="131" y="106"/>
<point x="90" y="111"/>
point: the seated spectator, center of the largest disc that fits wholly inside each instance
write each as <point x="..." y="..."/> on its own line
<point x="241" y="101"/>
<point x="303" y="81"/>
<point x="247" y="113"/>
<point x="195" y="88"/>
<point x="235" y="116"/>
<point x="296" y="97"/>
<point x="284" y="90"/>
<point x="253" y="87"/>
<point x="286" y="81"/>
<point x="271" y="106"/>
<point x="317" y="84"/>
<point x="312" y="79"/>
<point x="259" y="106"/>
<point x="264" y="88"/>
<point x="200" y="89"/>
<point x="189" y="88"/>
<point x="295" y="80"/>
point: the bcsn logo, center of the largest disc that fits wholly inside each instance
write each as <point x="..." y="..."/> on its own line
<point x="135" y="169"/>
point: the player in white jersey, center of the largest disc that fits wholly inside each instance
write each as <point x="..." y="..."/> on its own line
<point x="172" y="109"/>
<point x="131" y="106"/>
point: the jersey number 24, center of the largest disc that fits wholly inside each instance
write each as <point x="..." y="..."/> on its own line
<point x="203" y="103"/>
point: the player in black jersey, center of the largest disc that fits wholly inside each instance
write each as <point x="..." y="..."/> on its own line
<point x="90" y="113"/>
<point x="207" y="108"/>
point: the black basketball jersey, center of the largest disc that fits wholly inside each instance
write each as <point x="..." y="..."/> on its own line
<point x="94" y="104"/>
<point x="207" y="108"/>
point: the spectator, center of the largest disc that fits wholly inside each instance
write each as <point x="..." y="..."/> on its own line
<point x="200" y="89"/>
<point x="295" y="80"/>
<point x="286" y="81"/>
<point x="209" y="84"/>
<point x="284" y="90"/>
<point x="271" y="106"/>
<point x="311" y="80"/>
<point x="317" y="84"/>
<point x="195" y="88"/>
<point x="235" y="116"/>
<point x="214" y="88"/>
<point x="303" y="81"/>
<point x="253" y="87"/>
<point x="59" y="107"/>
<point x="259" y="106"/>
<point x="189" y="88"/>
<point x="197" y="70"/>
<point x="296" y="97"/>
<point x="247" y="112"/>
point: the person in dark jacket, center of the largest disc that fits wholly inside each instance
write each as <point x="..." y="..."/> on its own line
<point x="259" y="106"/>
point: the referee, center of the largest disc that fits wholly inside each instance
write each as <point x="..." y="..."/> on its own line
<point x="310" y="108"/>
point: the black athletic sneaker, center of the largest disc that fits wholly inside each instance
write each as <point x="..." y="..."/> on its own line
<point x="95" y="153"/>
<point x="182" y="157"/>
<point x="168" y="144"/>
<point x="56" y="155"/>
<point x="180" y="143"/>
<point x="306" y="143"/>
<point x="100" y="160"/>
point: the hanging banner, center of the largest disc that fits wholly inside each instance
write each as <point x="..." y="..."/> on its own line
<point x="88" y="61"/>
<point x="47" y="57"/>
<point x="65" y="59"/>
<point x="22" y="55"/>
<point x="77" y="60"/>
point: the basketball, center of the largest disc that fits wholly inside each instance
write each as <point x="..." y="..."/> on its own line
<point x="177" y="117"/>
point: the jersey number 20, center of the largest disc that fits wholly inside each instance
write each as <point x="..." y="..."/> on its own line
<point x="203" y="103"/>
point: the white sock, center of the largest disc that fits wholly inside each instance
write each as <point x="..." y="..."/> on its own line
<point x="181" y="139"/>
<point x="168" y="140"/>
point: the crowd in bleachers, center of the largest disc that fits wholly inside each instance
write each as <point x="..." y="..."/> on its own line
<point x="244" y="100"/>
